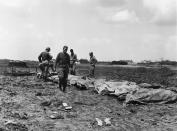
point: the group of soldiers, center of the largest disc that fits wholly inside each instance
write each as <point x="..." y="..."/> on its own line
<point x="63" y="65"/>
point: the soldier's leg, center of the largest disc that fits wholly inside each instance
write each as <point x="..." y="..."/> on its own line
<point x="60" y="84"/>
<point x="64" y="83"/>
<point x="92" y="71"/>
<point x="51" y="65"/>
<point x="60" y="76"/>
<point x="71" y="69"/>
<point x="46" y="72"/>
<point x="74" y="69"/>
<point x="65" y="78"/>
<point x="42" y="68"/>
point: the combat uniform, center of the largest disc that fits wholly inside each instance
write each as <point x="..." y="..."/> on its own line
<point x="93" y="62"/>
<point x="63" y="60"/>
<point x="73" y="59"/>
<point x="45" y="62"/>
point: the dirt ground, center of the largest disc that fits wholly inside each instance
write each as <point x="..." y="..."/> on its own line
<point x="27" y="103"/>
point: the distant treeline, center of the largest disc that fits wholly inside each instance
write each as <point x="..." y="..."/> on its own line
<point x="31" y="64"/>
<point x="5" y="62"/>
<point x="120" y="62"/>
<point x="163" y="62"/>
<point x="167" y="62"/>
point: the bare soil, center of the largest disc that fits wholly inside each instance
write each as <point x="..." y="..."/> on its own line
<point x="27" y="103"/>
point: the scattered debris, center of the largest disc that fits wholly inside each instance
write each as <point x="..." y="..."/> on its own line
<point x="56" y="116"/>
<point x="107" y="121"/>
<point x="99" y="122"/>
<point x="86" y="105"/>
<point x="66" y="106"/>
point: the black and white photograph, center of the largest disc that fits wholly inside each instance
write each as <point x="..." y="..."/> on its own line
<point x="88" y="65"/>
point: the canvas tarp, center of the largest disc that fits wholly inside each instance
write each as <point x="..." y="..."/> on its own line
<point x="144" y="95"/>
<point x="81" y="82"/>
<point x="115" y="88"/>
<point x="78" y="81"/>
<point x="124" y="90"/>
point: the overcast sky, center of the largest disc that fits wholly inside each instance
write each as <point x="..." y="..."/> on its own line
<point x="112" y="29"/>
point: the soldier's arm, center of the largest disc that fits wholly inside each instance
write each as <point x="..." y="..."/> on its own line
<point x="95" y="60"/>
<point x="39" y="58"/>
<point x="68" y="61"/>
<point x="50" y="57"/>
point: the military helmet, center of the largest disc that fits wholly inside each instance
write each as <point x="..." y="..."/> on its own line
<point x="47" y="49"/>
<point x="91" y="53"/>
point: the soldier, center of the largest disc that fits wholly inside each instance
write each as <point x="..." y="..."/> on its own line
<point x="45" y="62"/>
<point x="63" y="62"/>
<point x="73" y="60"/>
<point x="93" y="62"/>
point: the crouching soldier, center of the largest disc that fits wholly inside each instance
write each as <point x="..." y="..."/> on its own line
<point x="63" y="63"/>
<point x="45" y="62"/>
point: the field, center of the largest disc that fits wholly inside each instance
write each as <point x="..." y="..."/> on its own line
<point x="27" y="103"/>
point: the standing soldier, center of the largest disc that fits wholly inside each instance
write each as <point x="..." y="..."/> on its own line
<point x="45" y="62"/>
<point x="63" y="62"/>
<point x="93" y="62"/>
<point x="73" y="60"/>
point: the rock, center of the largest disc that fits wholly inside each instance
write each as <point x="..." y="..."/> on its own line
<point x="20" y="115"/>
<point x="56" y="116"/>
<point x="15" y="126"/>
<point x="46" y="103"/>
<point x="145" y="85"/>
